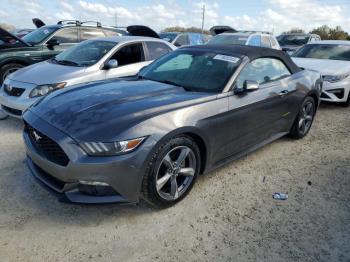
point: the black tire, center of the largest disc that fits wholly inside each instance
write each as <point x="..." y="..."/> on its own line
<point x="7" y="69"/>
<point x="154" y="196"/>
<point x="3" y="115"/>
<point x="297" y="132"/>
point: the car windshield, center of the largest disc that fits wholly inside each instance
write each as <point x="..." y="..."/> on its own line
<point x="229" y="40"/>
<point x="333" y="52"/>
<point x="85" y="54"/>
<point x="39" y="35"/>
<point x="296" y="40"/>
<point x="168" y="36"/>
<point x="194" y="70"/>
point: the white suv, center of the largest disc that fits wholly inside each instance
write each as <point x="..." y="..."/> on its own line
<point x="252" y="38"/>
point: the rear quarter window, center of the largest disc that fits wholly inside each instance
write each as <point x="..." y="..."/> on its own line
<point x="156" y="50"/>
<point x="265" y="42"/>
<point x="90" y="33"/>
<point x="67" y="35"/>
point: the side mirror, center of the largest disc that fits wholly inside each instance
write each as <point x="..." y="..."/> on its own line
<point x="52" y="42"/>
<point x="248" y="86"/>
<point x="113" y="63"/>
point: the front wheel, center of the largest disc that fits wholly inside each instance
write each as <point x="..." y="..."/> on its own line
<point x="3" y="115"/>
<point x="304" y="120"/>
<point x="8" y="69"/>
<point x="172" y="172"/>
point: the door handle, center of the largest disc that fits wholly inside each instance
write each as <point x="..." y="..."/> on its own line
<point x="283" y="93"/>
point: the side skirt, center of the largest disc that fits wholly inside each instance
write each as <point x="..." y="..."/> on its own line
<point x="245" y="152"/>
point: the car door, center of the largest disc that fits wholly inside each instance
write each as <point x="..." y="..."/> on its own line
<point x="67" y="37"/>
<point x="130" y="57"/>
<point x="256" y="116"/>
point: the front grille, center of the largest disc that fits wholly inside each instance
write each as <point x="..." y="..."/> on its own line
<point x="13" y="91"/>
<point x="12" y="110"/>
<point x="46" y="146"/>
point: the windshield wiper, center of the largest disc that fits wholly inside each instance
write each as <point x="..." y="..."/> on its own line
<point x="170" y="83"/>
<point x="66" y="62"/>
<point x="176" y="84"/>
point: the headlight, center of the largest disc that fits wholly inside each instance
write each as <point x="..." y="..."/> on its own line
<point x="43" y="90"/>
<point x="111" y="149"/>
<point x="334" y="78"/>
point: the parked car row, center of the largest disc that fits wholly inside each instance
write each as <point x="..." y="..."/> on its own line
<point x="292" y="42"/>
<point x="119" y="118"/>
<point x="91" y="60"/>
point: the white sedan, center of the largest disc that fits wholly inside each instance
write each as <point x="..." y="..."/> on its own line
<point x="332" y="59"/>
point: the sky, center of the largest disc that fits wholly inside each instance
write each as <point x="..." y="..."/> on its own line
<point x="270" y="15"/>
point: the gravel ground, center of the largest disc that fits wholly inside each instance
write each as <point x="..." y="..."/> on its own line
<point x="229" y="215"/>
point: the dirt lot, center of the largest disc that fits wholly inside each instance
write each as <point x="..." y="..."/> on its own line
<point x="229" y="215"/>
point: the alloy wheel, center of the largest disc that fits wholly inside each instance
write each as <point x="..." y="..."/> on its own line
<point x="9" y="71"/>
<point x="306" y="118"/>
<point x="176" y="172"/>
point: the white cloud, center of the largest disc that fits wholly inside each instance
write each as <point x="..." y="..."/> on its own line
<point x="66" y="6"/>
<point x="279" y="16"/>
<point x="285" y="14"/>
<point x="3" y="14"/>
<point x="64" y="16"/>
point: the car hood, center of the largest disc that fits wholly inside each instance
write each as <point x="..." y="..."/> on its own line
<point x="6" y="35"/>
<point x="38" y="23"/>
<point x="219" y="29"/>
<point x="46" y="73"/>
<point x="102" y="110"/>
<point x="324" y="66"/>
<point x="141" y="30"/>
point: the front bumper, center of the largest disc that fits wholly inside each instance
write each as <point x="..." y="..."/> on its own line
<point x="122" y="173"/>
<point x="16" y="105"/>
<point x="336" y="92"/>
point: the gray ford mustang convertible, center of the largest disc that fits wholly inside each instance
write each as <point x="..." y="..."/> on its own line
<point x="185" y="114"/>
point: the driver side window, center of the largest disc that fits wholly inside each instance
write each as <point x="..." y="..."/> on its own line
<point x="262" y="70"/>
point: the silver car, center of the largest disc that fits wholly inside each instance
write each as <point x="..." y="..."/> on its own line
<point x="253" y="38"/>
<point x="92" y="60"/>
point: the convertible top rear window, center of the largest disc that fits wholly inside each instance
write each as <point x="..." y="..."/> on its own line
<point x="195" y="70"/>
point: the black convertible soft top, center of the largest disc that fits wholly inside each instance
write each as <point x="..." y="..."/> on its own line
<point x="252" y="52"/>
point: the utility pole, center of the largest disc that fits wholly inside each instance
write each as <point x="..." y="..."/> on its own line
<point x="116" y="18"/>
<point x="203" y="17"/>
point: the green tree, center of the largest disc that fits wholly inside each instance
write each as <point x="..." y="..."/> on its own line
<point x="328" y="33"/>
<point x="185" y="29"/>
<point x="295" y="31"/>
<point x="7" y="27"/>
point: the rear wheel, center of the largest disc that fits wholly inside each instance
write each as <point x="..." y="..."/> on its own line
<point x="7" y="69"/>
<point x="172" y="172"/>
<point x="304" y="120"/>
